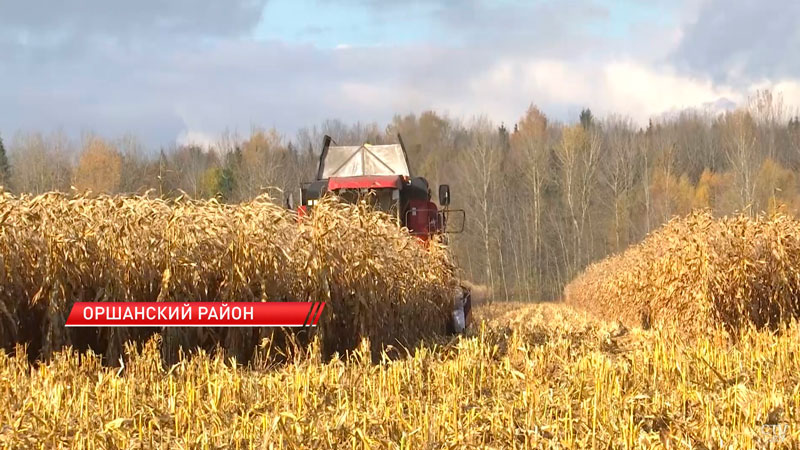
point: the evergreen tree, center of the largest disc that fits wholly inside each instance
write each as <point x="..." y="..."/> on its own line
<point x="794" y="124"/>
<point x="4" y="167"/>
<point x="504" y="137"/>
<point x="162" y="172"/>
<point x="227" y="183"/>
<point x="587" y="119"/>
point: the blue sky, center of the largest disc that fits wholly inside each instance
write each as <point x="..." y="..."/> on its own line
<point x="192" y="70"/>
<point x="329" y="24"/>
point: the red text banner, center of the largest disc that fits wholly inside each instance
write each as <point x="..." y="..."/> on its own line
<point x="195" y="314"/>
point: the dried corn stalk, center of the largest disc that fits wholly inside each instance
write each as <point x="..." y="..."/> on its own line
<point x="697" y="273"/>
<point x="58" y="249"/>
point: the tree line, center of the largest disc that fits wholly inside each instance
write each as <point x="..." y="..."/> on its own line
<point x="543" y="198"/>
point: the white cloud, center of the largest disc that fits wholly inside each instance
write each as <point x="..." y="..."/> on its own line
<point x="626" y="87"/>
<point x="642" y="92"/>
<point x="197" y="138"/>
<point x="504" y="90"/>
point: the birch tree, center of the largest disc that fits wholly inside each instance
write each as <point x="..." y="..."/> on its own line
<point x="530" y="144"/>
<point x="739" y="144"/>
<point x="481" y="163"/>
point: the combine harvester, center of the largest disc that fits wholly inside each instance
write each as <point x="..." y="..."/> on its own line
<point x="381" y="175"/>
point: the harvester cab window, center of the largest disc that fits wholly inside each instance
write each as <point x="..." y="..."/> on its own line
<point x="380" y="199"/>
<point x="348" y="195"/>
<point x="383" y="199"/>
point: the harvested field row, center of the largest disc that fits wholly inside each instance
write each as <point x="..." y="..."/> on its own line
<point x="379" y="282"/>
<point x="542" y="376"/>
<point x="699" y="272"/>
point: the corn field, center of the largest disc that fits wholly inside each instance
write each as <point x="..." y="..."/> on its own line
<point x="641" y="356"/>
<point x="697" y="273"/>
<point x="377" y="280"/>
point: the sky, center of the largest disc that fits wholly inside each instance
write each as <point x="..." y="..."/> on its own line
<point x="182" y="71"/>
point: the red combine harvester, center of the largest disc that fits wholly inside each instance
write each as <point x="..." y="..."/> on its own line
<point x="382" y="175"/>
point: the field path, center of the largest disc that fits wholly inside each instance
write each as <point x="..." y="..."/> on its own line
<point x="518" y="315"/>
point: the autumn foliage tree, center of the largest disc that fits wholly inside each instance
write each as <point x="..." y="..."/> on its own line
<point x="99" y="167"/>
<point x="264" y="164"/>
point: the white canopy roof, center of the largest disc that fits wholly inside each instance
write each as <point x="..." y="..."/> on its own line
<point x="354" y="161"/>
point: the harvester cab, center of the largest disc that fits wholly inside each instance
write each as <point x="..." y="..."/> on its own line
<point x="381" y="174"/>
